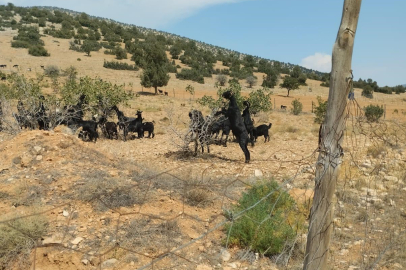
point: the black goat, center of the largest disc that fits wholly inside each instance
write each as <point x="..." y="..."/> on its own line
<point x="222" y="124"/>
<point x="237" y="125"/>
<point x="283" y="107"/>
<point x="249" y="125"/>
<point x="129" y="124"/>
<point x="148" y="126"/>
<point x="75" y="112"/>
<point x="24" y="118"/>
<point x="89" y="130"/>
<point x="262" y="130"/>
<point x="40" y="115"/>
<point x="109" y="129"/>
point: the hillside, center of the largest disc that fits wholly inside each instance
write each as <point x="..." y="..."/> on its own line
<point x="145" y="204"/>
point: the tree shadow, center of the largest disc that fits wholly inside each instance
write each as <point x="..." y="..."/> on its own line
<point x="145" y="93"/>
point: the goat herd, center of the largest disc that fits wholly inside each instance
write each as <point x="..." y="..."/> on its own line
<point x="38" y="116"/>
<point x="201" y="130"/>
<point x="225" y="120"/>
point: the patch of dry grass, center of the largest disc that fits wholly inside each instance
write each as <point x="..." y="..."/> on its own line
<point x="18" y="238"/>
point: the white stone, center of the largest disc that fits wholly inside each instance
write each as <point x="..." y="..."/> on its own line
<point x="390" y="178"/>
<point x="38" y="158"/>
<point x="203" y="267"/>
<point x="85" y="262"/>
<point x="109" y="263"/>
<point x="258" y="173"/>
<point x="50" y="240"/>
<point x="77" y="240"/>
<point x="37" y="148"/>
<point x="225" y="255"/>
<point x="65" y="213"/>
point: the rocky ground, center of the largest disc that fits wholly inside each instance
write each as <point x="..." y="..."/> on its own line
<point x="120" y="205"/>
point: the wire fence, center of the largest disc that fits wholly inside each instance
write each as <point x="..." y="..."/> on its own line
<point x="93" y="212"/>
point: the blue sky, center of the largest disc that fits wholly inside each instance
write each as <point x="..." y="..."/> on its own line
<point x="295" y="31"/>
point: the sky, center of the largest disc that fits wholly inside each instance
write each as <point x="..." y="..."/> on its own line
<point x="292" y="31"/>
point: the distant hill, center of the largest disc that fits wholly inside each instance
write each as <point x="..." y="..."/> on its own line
<point x="200" y="44"/>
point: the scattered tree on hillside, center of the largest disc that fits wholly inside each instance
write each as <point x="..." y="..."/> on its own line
<point x="251" y="81"/>
<point x="155" y="71"/>
<point x="290" y="83"/>
<point x="221" y="79"/>
<point x="367" y="91"/>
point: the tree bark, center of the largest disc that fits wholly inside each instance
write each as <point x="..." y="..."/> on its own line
<point x="328" y="164"/>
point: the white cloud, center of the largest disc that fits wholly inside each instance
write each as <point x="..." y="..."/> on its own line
<point x="318" y="61"/>
<point x="147" y="13"/>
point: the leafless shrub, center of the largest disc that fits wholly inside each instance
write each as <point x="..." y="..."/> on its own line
<point x="185" y="130"/>
<point x="105" y="192"/>
<point x="198" y="193"/>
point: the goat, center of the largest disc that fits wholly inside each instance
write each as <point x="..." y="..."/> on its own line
<point x="89" y="130"/>
<point x="3" y="66"/>
<point x="109" y="129"/>
<point x="129" y="124"/>
<point x="148" y="126"/>
<point x="262" y="130"/>
<point x="3" y="78"/>
<point x="42" y="66"/>
<point x="237" y="125"/>
<point x="24" y="118"/>
<point x="249" y="125"/>
<point x="160" y="92"/>
<point x="15" y="66"/>
<point x="75" y="112"/>
<point x="222" y="124"/>
<point x="166" y="93"/>
<point x="40" y="115"/>
<point x="283" y="107"/>
<point x="200" y="128"/>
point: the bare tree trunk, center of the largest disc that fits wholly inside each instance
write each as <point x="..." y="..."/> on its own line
<point x="329" y="159"/>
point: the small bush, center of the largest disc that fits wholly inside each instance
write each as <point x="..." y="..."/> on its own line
<point x="376" y="150"/>
<point x="320" y="111"/>
<point x="52" y="71"/>
<point x="79" y="59"/>
<point x="221" y="79"/>
<point x="368" y="91"/>
<point x="297" y="107"/>
<point x="268" y="226"/>
<point x="17" y="239"/>
<point x="38" y="50"/>
<point x="373" y="112"/>
<point x="119" y="65"/>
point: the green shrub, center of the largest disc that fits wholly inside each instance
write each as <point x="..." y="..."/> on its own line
<point x="273" y="222"/>
<point x="190" y="74"/>
<point x="297" y="107"/>
<point x="320" y="111"/>
<point x="38" y="50"/>
<point x="260" y="100"/>
<point x="373" y="112"/>
<point x="368" y="91"/>
<point x="20" y="44"/>
<point x="119" y="65"/>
